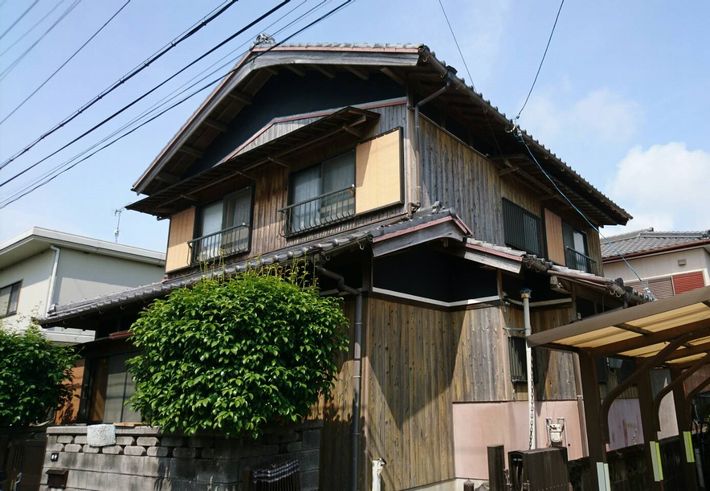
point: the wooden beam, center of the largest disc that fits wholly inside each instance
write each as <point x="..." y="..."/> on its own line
<point x="362" y="75"/>
<point x="323" y="70"/>
<point x="277" y="162"/>
<point x="298" y="71"/>
<point x="592" y="417"/>
<point x="193" y="152"/>
<point x="508" y="170"/>
<point x="637" y="330"/>
<point x="168" y="178"/>
<point x="214" y="124"/>
<point x="240" y="97"/>
<point x="388" y="71"/>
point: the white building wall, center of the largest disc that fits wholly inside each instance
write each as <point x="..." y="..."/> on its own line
<point x="83" y="275"/>
<point x="661" y="265"/>
<point x="34" y="273"/>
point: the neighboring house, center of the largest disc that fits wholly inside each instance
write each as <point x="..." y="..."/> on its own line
<point x="669" y="263"/>
<point x="42" y="269"/>
<point x="381" y="166"/>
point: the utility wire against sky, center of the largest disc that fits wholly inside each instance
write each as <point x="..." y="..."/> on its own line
<point x="132" y="73"/>
<point x="76" y="52"/>
<point x="542" y="60"/>
<point x="146" y="94"/>
<point x="202" y="88"/>
<point x="33" y="27"/>
<point x="36" y="183"/>
<point x="22" y="15"/>
<point x="458" y="47"/>
<point x="19" y="59"/>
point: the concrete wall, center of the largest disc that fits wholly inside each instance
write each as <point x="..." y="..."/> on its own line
<point x="34" y="273"/>
<point x="661" y="265"/>
<point x="480" y="425"/>
<point x="143" y="458"/>
<point x="83" y="275"/>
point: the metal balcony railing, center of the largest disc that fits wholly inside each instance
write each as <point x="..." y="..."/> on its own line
<point x="582" y="262"/>
<point x="317" y="212"/>
<point x="232" y="240"/>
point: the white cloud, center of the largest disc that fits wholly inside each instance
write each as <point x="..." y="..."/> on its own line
<point x="601" y="115"/>
<point x="665" y="186"/>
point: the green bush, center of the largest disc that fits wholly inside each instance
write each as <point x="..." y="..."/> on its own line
<point x="230" y="355"/>
<point x="33" y="377"/>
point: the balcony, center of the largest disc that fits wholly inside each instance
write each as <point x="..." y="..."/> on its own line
<point x="576" y="260"/>
<point x="320" y="211"/>
<point x="227" y="242"/>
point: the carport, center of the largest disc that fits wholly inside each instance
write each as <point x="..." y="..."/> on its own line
<point x="673" y="333"/>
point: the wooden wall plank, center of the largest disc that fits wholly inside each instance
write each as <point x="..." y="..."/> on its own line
<point x="182" y="227"/>
<point x="553" y="234"/>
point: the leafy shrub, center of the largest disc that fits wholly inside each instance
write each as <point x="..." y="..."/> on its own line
<point x="33" y="377"/>
<point x="233" y="354"/>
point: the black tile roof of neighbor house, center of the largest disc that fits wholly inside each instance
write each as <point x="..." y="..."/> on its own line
<point x="648" y="240"/>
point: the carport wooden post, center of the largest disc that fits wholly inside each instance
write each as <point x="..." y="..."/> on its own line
<point x="685" y="423"/>
<point x="648" y="422"/>
<point x="592" y="406"/>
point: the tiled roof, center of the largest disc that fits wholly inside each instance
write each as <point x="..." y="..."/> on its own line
<point x="648" y="240"/>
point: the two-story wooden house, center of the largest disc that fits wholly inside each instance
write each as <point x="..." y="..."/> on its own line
<point x="415" y="199"/>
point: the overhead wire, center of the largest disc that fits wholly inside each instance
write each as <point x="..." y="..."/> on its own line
<point x="147" y="93"/>
<point x="16" y="21"/>
<point x="542" y="60"/>
<point x="456" y="41"/>
<point x="71" y="57"/>
<point x="22" y="55"/>
<point x="32" y="28"/>
<point x="17" y="196"/>
<point x="191" y="31"/>
<point x="177" y="92"/>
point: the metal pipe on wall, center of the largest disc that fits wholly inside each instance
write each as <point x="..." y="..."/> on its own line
<point x="532" y="441"/>
<point x="52" y="279"/>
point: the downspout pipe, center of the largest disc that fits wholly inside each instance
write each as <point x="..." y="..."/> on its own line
<point x="357" y="370"/>
<point x="532" y="429"/>
<point x="52" y="279"/>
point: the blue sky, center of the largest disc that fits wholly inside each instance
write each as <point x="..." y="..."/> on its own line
<point x="621" y="96"/>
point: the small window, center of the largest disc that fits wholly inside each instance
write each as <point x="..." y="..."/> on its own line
<point x="111" y="385"/>
<point x="518" y="367"/>
<point x="224" y="227"/>
<point x="576" y="251"/>
<point x="523" y="230"/>
<point x="9" y="296"/>
<point x="322" y="194"/>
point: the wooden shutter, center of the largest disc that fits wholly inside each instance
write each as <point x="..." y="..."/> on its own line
<point x="553" y="233"/>
<point x="378" y="172"/>
<point x="182" y="228"/>
<point x="661" y="287"/>
<point x="688" y="281"/>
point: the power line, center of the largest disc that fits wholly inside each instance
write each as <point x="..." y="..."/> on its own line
<point x="19" y="19"/>
<point x="96" y="33"/>
<point x="451" y="30"/>
<point x="177" y="92"/>
<point x="19" y="59"/>
<point x="132" y="73"/>
<point x="542" y="60"/>
<point x="25" y="192"/>
<point x="34" y="26"/>
<point x="146" y="94"/>
<point x="519" y="134"/>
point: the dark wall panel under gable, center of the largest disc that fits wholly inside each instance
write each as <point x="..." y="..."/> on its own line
<point x="430" y="274"/>
<point x="288" y="94"/>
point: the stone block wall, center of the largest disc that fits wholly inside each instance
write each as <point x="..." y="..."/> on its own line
<point x="144" y="458"/>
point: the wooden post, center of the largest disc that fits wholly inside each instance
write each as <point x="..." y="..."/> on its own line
<point x="684" y="424"/>
<point x="592" y="419"/>
<point x="496" y="468"/>
<point x="650" y="436"/>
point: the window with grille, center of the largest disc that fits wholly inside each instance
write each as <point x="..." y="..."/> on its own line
<point x="522" y="229"/>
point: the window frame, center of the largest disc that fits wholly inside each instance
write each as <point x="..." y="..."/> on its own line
<point x="15" y="289"/>
<point x="289" y="229"/>
<point x="524" y="213"/>
<point x="590" y="264"/>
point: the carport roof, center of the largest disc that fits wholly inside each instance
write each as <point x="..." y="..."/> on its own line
<point x="640" y="331"/>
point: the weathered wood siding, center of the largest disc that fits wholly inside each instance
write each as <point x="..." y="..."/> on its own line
<point x="556" y="369"/>
<point x="463" y="179"/>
